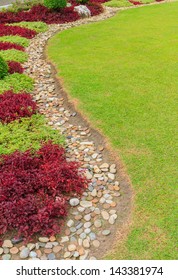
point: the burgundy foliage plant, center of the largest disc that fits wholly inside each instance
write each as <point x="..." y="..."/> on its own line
<point x="15" y="106"/>
<point x="15" y="67"/>
<point x="41" y="13"/>
<point x="6" y="30"/>
<point x="7" y="46"/>
<point x="34" y="189"/>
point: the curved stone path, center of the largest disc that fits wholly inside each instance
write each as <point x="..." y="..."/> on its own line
<point x="94" y="219"/>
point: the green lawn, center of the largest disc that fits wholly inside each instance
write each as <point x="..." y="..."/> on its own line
<point x="124" y="72"/>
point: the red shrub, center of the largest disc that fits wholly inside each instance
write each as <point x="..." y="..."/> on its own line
<point x="8" y="46"/>
<point x="15" y="67"/>
<point x="135" y="2"/>
<point x="41" y="13"/>
<point x="16" y="30"/>
<point x="34" y="189"/>
<point x="15" y="106"/>
<point x="95" y="8"/>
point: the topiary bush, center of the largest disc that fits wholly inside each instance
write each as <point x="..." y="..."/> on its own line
<point x="55" y="4"/>
<point x="3" y="68"/>
<point x="15" y="106"/>
<point x="35" y="188"/>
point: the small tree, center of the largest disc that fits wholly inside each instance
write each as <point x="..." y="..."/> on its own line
<point x="55" y="4"/>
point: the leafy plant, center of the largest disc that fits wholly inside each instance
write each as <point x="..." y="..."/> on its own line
<point x="15" y="40"/>
<point x="14" y="55"/>
<point x="15" y="67"/>
<point x="3" y="68"/>
<point x="37" y="25"/>
<point x="37" y="184"/>
<point x="8" y="46"/>
<point x="40" y="13"/>
<point x="55" y="4"/>
<point x="17" y="82"/>
<point x="28" y="133"/>
<point x="15" y="106"/>
<point x="16" y="30"/>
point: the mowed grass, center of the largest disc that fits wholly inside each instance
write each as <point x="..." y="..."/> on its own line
<point x="124" y="73"/>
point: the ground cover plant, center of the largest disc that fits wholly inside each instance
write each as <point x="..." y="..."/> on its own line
<point x="15" y="40"/>
<point x="26" y="134"/>
<point x="8" y="46"/>
<point x="25" y="83"/>
<point x="15" y="55"/>
<point x="15" y="106"/>
<point x="37" y="184"/>
<point x="41" y="13"/>
<point x="37" y="26"/>
<point x="127" y="85"/>
<point x="16" y="30"/>
<point x="14" y="67"/>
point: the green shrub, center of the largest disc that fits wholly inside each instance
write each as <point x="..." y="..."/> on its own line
<point x="24" y="42"/>
<point x="83" y="2"/>
<point x="17" y="82"/>
<point x="3" y="68"/>
<point x="38" y="26"/>
<point x="14" y="55"/>
<point x="55" y="4"/>
<point x="28" y="133"/>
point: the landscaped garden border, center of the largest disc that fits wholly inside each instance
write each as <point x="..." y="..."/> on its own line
<point x="113" y="190"/>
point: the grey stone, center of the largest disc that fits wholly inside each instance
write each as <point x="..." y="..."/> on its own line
<point x="51" y="256"/>
<point x="97" y="223"/>
<point x="85" y="203"/>
<point x="92" y="236"/>
<point x="106" y="232"/>
<point x="6" y="257"/>
<point x="24" y="253"/>
<point x="74" y="201"/>
<point x="33" y="254"/>
<point x="43" y="239"/>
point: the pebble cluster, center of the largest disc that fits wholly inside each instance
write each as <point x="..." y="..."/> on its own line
<point x="91" y="218"/>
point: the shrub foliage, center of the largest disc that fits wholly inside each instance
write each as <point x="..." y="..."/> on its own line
<point x="35" y="187"/>
<point x="15" y="67"/>
<point x="15" y="106"/>
<point x="3" y="68"/>
<point x="16" y="30"/>
<point x="7" y="46"/>
<point x="55" y="4"/>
